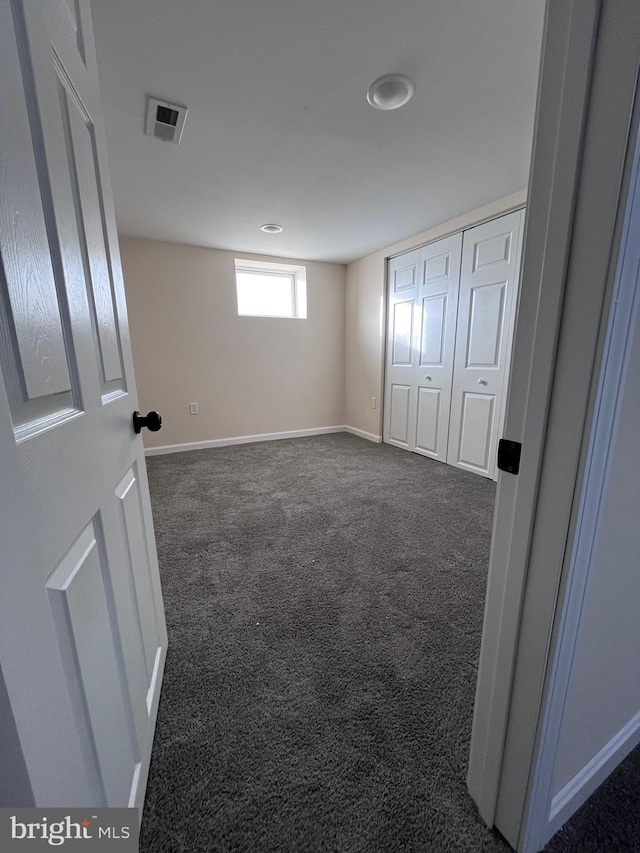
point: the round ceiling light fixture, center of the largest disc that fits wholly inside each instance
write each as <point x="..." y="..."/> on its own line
<point x="271" y="228"/>
<point x="390" y="91"/>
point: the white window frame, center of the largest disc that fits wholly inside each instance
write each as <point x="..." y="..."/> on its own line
<point x="298" y="276"/>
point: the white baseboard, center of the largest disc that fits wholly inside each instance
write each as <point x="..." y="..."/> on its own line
<point x="243" y="439"/>
<point x="362" y="434"/>
<point x="579" y="789"/>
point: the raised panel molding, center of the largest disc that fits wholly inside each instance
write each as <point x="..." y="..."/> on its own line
<point x="400" y="400"/>
<point x="437" y="269"/>
<point x="496" y="250"/>
<point x="91" y="234"/>
<point x="403" y="333"/>
<point x="83" y="625"/>
<point x="404" y="278"/>
<point x="37" y="355"/>
<point x="28" y="280"/>
<point x="434" y="315"/>
<point x="69" y="7"/>
<point x="428" y="419"/>
<point x="486" y="313"/>
<point x="128" y="495"/>
<point x="476" y="424"/>
<point x="73" y="18"/>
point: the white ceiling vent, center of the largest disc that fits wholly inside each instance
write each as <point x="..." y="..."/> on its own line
<point x="165" y="121"/>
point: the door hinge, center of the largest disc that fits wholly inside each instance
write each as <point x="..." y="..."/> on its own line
<point x="509" y="455"/>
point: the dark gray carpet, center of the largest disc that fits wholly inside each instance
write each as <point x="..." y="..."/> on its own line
<point x="324" y="602"/>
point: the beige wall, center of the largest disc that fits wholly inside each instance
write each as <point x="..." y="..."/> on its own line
<point x="364" y="319"/>
<point x="249" y="375"/>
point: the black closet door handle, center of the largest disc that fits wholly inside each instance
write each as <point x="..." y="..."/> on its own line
<point x="152" y="421"/>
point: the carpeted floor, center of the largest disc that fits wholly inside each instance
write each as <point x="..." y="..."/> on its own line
<point x="324" y="602"/>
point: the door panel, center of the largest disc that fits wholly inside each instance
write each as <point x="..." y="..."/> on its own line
<point x="433" y="319"/>
<point x="405" y="277"/>
<point x="436" y="267"/>
<point x="400" y="405"/>
<point x="81" y="154"/>
<point x="402" y="332"/>
<point x="401" y="357"/>
<point x="488" y="294"/>
<point x="428" y="420"/>
<point x="475" y="424"/>
<point x="486" y="325"/>
<point x="83" y="626"/>
<point x="129" y="498"/>
<point x="492" y="251"/>
<point x="33" y="351"/>
<point x="423" y="296"/>
<point x="437" y="310"/>
<point x="82" y="633"/>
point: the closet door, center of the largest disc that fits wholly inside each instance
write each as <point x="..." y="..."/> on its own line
<point x="488" y="291"/>
<point x="400" y="395"/>
<point x="435" y="342"/>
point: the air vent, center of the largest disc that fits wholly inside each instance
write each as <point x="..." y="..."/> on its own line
<point x="165" y="121"/>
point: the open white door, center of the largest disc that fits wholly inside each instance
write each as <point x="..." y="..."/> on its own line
<point x="82" y="631"/>
<point x="588" y="81"/>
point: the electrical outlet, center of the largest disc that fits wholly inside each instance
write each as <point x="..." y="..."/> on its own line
<point x="193" y="408"/>
<point x="373" y="402"/>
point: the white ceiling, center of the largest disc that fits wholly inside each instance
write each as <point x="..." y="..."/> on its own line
<point x="279" y="129"/>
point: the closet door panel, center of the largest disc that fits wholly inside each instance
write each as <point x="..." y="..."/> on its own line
<point x="399" y="410"/>
<point x="488" y="293"/>
<point x="400" y="402"/>
<point x="428" y="423"/>
<point x="436" y="328"/>
<point x="486" y="324"/>
<point x="402" y="334"/>
<point x="476" y="422"/>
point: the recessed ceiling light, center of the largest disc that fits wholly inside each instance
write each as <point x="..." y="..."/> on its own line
<point x="272" y="228"/>
<point x="390" y="91"/>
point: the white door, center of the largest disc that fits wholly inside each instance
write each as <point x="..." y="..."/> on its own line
<point x="82" y="632"/>
<point x="488" y="291"/>
<point x="400" y="397"/>
<point x="422" y="305"/>
<point x="435" y="341"/>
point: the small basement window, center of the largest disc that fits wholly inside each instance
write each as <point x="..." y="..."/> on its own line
<point x="271" y="290"/>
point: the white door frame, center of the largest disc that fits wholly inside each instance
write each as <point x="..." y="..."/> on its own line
<point x="546" y="812"/>
<point x="586" y="92"/>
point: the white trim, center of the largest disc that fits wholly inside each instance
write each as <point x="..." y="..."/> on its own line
<point x="272" y="267"/>
<point x="477" y="216"/>
<point x="578" y="790"/>
<point x="546" y="814"/>
<point x="362" y="434"/>
<point x="240" y="439"/>
<point x="571" y="238"/>
<point x="562" y="94"/>
<point x="298" y="275"/>
<point x="473" y="223"/>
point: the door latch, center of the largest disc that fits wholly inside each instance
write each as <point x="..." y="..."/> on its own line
<point x="509" y="455"/>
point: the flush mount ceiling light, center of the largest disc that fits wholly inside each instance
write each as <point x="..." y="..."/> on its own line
<point x="390" y="91"/>
<point x="271" y="228"/>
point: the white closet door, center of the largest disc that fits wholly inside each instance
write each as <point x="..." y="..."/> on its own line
<point x="488" y="291"/>
<point x="400" y="396"/>
<point x="435" y="342"/>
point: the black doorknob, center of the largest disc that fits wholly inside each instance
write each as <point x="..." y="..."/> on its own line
<point x="152" y="421"/>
